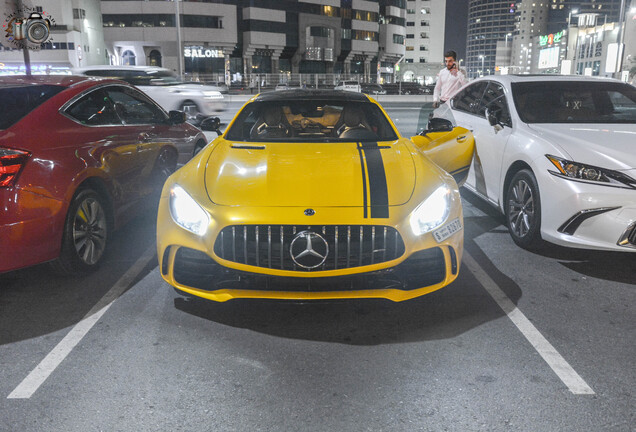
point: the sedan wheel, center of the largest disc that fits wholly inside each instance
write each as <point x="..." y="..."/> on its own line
<point x="166" y="164"/>
<point x="198" y="147"/>
<point x="85" y="234"/>
<point x="523" y="210"/>
<point x="190" y="109"/>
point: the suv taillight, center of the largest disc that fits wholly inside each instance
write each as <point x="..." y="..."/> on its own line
<point x="11" y="163"/>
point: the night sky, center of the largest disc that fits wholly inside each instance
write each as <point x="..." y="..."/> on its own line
<point x="456" y="27"/>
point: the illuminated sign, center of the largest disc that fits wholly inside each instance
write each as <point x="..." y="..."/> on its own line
<point x="549" y="58"/>
<point x="194" y="52"/>
<point x="550" y="39"/>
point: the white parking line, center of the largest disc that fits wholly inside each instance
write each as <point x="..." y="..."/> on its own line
<point x="34" y="380"/>
<point x="562" y="368"/>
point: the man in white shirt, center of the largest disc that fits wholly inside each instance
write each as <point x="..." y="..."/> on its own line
<point x="449" y="80"/>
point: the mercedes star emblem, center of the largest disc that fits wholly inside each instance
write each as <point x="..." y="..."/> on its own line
<point x="309" y="250"/>
<point x="310" y="212"/>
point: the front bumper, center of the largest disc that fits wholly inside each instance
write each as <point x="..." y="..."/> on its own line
<point x="612" y="210"/>
<point x="189" y="262"/>
<point x="196" y="273"/>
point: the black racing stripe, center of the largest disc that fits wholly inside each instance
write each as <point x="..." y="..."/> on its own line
<point x="364" y="182"/>
<point x="378" y="190"/>
<point x="460" y="174"/>
<point x="457" y="171"/>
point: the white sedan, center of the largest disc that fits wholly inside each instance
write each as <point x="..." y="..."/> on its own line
<point x="556" y="155"/>
<point x="163" y="86"/>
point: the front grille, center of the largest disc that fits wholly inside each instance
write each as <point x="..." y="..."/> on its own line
<point x="196" y="269"/>
<point x="269" y="245"/>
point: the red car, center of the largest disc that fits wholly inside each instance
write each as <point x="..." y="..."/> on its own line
<point x="77" y="156"/>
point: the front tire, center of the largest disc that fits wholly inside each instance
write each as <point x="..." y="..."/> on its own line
<point x="85" y="234"/>
<point x="523" y="210"/>
<point x="190" y="108"/>
<point x="198" y="147"/>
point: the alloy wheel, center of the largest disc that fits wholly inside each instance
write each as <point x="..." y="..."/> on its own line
<point x="521" y="208"/>
<point x="89" y="231"/>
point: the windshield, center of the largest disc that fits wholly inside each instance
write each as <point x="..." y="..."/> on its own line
<point x="575" y="102"/>
<point x="311" y="121"/>
<point x="17" y="101"/>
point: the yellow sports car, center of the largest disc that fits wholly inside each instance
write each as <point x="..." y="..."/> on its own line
<point x="315" y="195"/>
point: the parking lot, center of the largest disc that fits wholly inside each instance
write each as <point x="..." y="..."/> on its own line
<point x="521" y="341"/>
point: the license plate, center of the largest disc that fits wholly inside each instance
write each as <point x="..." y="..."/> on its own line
<point x="447" y="230"/>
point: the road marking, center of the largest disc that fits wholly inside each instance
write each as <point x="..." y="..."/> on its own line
<point x="46" y="367"/>
<point x="559" y="365"/>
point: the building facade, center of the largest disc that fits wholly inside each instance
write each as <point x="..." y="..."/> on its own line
<point x="232" y="39"/>
<point x="424" y="48"/>
<point x="489" y="21"/>
<point x="76" y="36"/>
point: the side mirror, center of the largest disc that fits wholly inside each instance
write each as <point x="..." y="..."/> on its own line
<point x="437" y="124"/>
<point x="177" y="117"/>
<point x="211" y="124"/>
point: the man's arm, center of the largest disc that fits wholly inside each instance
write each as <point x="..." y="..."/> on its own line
<point x="462" y="77"/>
<point x="438" y="91"/>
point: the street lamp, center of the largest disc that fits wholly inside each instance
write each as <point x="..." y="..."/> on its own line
<point x="509" y="34"/>
<point x="179" y="47"/>
<point x="619" y="39"/>
<point x="481" y="72"/>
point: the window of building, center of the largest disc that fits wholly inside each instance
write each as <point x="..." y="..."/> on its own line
<point x="410" y="24"/>
<point x="320" y="32"/>
<point x="128" y="58"/>
<point x="410" y="36"/>
<point x="398" y="39"/>
<point x="79" y="13"/>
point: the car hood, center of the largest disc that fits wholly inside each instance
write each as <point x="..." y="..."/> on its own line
<point x="607" y="146"/>
<point x="310" y="174"/>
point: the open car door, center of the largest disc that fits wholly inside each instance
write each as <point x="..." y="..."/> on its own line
<point x="451" y="148"/>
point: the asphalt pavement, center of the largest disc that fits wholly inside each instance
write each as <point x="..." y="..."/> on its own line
<point x="521" y="341"/>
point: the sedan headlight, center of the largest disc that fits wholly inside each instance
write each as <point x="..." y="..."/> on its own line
<point x="208" y="94"/>
<point x="589" y="173"/>
<point x="186" y="212"/>
<point x="432" y="212"/>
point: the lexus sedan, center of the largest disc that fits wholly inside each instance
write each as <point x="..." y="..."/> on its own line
<point x="556" y="155"/>
<point x="314" y="194"/>
<point x="78" y="156"/>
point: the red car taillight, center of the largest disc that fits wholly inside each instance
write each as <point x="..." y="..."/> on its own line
<point x="11" y="163"/>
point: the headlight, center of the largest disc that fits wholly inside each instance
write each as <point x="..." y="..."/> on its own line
<point x="212" y="95"/>
<point x="432" y="212"/>
<point x="186" y="212"/>
<point x="578" y="171"/>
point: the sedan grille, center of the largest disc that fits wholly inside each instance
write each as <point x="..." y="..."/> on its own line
<point x="316" y="248"/>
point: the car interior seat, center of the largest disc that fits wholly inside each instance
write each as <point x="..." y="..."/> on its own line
<point x="272" y="124"/>
<point x="351" y="119"/>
